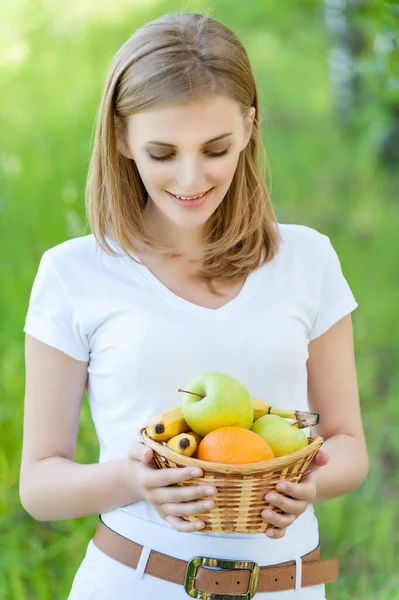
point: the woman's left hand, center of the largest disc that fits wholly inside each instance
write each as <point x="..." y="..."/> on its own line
<point x="297" y="497"/>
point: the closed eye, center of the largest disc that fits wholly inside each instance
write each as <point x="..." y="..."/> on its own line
<point x="169" y="156"/>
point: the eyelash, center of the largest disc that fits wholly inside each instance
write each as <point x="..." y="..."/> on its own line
<point x="210" y="154"/>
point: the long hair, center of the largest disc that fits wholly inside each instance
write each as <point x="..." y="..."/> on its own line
<point x="180" y="58"/>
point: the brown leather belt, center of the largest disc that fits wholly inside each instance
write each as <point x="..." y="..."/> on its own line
<point x="236" y="578"/>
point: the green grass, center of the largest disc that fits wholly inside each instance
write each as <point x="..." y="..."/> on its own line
<point x="54" y="58"/>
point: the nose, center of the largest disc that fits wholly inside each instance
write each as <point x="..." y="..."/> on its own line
<point x="189" y="175"/>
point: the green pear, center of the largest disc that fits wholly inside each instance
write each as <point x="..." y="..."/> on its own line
<point x="214" y="400"/>
<point x="281" y="436"/>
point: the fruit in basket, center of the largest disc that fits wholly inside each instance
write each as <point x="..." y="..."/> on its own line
<point x="304" y="419"/>
<point x="282" y="436"/>
<point x="233" y="445"/>
<point x="163" y="426"/>
<point x="184" y="443"/>
<point x="214" y="400"/>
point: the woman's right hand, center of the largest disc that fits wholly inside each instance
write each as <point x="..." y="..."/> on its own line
<point x="158" y="486"/>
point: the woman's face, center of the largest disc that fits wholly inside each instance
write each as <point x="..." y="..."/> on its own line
<point x="177" y="153"/>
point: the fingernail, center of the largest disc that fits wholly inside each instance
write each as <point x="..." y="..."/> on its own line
<point x="282" y="487"/>
<point x="210" y="491"/>
<point x="209" y="504"/>
<point x="196" y="472"/>
<point x="199" y="526"/>
<point x="270" y="533"/>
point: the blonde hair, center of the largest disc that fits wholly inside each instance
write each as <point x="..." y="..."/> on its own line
<point x="180" y="58"/>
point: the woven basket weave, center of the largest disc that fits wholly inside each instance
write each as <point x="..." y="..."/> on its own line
<point x="241" y="489"/>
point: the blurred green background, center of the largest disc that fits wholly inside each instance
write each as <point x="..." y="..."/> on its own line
<point x="329" y="96"/>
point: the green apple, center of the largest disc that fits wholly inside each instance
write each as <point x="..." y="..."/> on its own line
<point x="281" y="436"/>
<point x="214" y="400"/>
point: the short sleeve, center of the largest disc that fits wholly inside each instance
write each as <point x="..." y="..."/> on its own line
<point x="335" y="297"/>
<point x="51" y="316"/>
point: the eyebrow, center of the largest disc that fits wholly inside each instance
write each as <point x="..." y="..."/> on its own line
<point x="219" y="137"/>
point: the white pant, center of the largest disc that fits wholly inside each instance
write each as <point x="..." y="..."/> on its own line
<point x="100" y="577"/>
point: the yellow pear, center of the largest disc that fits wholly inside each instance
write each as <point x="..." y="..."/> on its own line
<point x="282" y="437"/>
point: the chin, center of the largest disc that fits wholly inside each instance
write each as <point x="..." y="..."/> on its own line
<point x="184" y="224"/>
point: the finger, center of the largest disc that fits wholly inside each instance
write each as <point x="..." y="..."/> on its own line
<point x="182" y="525"/>
<point x="141" y="452"/>
<point x="182" y="493"/>
<point x="275" y="532"/>
<point x="287" y="504"/>
<point x="277" y="519"/>
<point x="165" y="477"/>
<point x="320" y="459"/>
<point x="309" y="477"/>
<point x="185" y="509"/>
<point x="304" y="490"/>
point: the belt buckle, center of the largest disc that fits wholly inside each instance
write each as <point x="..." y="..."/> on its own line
<point x="204" y="561"/>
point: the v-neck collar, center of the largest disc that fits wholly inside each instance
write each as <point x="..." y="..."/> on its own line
<point x="232" y="305"/>
<point x="226" y="309"/>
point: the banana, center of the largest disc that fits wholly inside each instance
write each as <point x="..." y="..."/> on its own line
<point x="260" y="408"/>
<point x="168" y="424"/>
<point x="304" y="419"/>
<point x="184" y="443"/>
<point x="163" y="426"/>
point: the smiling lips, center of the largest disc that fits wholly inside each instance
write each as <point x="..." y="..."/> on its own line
<point x="193" y="202"/>
<point x="189" y="197"/>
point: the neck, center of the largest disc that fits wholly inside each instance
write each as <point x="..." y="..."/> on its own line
<point x="186" y="242"/>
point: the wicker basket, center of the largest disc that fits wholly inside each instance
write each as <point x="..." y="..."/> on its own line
<point x="241" y="489"/>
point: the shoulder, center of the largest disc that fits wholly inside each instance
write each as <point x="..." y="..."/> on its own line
<point x="75" y="261"/>
<point x="303" y="249"/>
<point x="73" y="248"/>
<point x="75" y="251"/>
<point x="303" y="241"/>
<point x="302" y="236"/>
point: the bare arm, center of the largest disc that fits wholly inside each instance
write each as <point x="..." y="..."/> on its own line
<point x="52" y="485"/>
<point x="333" y="392"/>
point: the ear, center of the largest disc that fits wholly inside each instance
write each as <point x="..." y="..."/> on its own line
<point x="123" y="147"/>
<point x="249" y="125"/>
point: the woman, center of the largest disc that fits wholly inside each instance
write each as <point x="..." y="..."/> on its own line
<point x="187" y="270"/>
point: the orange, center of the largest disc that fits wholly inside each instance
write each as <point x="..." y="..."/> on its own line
<point x="233" y="445"/>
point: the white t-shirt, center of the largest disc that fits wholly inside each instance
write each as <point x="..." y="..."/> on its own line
<point x="142" y="342"/>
